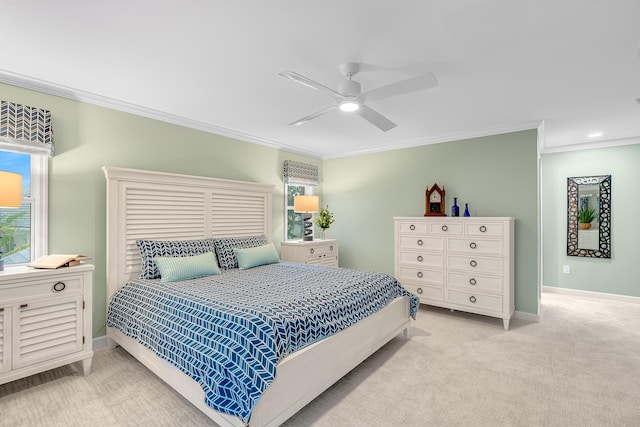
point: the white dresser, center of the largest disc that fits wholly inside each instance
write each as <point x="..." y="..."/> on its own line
<point x="461" y="263"/>
<point x="45" y="319"/>
<point x="323" y="252"/>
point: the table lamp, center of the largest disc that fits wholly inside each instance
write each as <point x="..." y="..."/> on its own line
<point x="307" y="205"/>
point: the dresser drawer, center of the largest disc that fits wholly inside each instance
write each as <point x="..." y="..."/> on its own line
<point x="475" y="246"/>
<point x="427" y="293"/>
<point x="421" y="276"/>
<point x="429" y="243"/>
<point x="421" y="259"/>
<point x="414" y="227"/>
<point x="483" y="228"/>
<point x="321" y="250"/>
<point x="475" y="300"/>
<point x="44" y="287"/>
<point x="471" y="263"/>
<point x="444" y="228"/>
<point x="471" y="282"/>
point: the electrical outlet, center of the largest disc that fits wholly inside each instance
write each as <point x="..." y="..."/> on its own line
<point x="566" y="269"/>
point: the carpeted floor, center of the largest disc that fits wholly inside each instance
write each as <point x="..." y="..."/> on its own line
<point x="578" y="367"/>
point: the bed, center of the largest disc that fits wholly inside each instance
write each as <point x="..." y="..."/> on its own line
<point x="153" y="206"/>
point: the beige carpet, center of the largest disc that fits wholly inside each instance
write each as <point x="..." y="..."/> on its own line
<point x="579" y="367"/>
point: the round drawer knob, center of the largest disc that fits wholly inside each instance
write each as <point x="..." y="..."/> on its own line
<point x="59" y="286"/>
<point x="483" y="228"/>
<point x="472" y="281"/>
<point x="473" y="263"/>
<point x="311" y="250"/>
<point x="473" y="245"/>
<point x="331" y="247"/>
<point x="420" y="291"/>
<point x="420" y="274"/>
<point x="420" y="242"/>
<point x="445" y="228"/>
<point x="472" y="299"/>
<point x="420" y="259"/>
<point x="412" y="227"/>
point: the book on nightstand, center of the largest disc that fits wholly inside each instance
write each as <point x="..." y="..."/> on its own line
<point x="57" y="261"/>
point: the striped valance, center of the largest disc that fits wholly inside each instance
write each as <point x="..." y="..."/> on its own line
<point x="25" y="129"/>
<point x="300" y="173"/>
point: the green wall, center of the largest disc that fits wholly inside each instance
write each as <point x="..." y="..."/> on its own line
<point x="88" y="137"/>
<point x="618" y="274"/>
<point x="496" y="176"/>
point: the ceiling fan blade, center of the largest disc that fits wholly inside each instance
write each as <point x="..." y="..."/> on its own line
<point x="313" y="116"/>
<point x="375" y="118"/>
<point x="310" y="83"/>
<point x="413" y="84"/>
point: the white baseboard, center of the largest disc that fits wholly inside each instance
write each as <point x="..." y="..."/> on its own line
<point x="529" y="317"/>
<point x="591" y="294"/>
<point x="99" y="343"/>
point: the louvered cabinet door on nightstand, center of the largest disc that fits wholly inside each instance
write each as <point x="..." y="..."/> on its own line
<point x="462" y="263"/>
<point x="322" y="252"/>
<point x="45" y="319"/>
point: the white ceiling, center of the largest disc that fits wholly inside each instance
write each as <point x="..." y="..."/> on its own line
<point x="502" y="65"/>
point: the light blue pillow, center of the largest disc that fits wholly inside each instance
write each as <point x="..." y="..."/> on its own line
<point x="253" y="257"/>
<point x="173" y="269"/>
<point x="149" y="249"/>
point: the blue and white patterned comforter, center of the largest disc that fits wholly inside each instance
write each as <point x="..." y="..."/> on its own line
<point x="228" y="332"/>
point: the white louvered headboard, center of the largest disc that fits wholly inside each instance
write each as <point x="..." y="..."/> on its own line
<point x="166" y="206"/>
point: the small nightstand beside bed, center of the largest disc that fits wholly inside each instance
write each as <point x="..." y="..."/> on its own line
<point x="250" y="345"/>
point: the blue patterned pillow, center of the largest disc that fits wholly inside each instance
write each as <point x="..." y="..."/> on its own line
<point x="224" y="248"/>
<point x="149" y="249"/>
<point x="173" y="269"/>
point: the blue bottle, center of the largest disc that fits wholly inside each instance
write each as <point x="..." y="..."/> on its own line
<point x="466" y="210"/>
<point x="455" y="209"/>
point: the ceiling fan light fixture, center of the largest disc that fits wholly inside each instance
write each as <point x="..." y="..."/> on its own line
<point x="349" y="105"/>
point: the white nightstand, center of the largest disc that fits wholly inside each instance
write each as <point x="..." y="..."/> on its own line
<point x="323" y="252"/>
<point x="45" y="319"/>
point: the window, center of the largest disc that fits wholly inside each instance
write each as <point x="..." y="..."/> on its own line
<point x="300" y="179"/>
<point x="24" y="229"/>
<point x="293" y="220"/>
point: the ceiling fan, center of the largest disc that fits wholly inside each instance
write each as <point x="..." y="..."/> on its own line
<point x="350" y="98"/>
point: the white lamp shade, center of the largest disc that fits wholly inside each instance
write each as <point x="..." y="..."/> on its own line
<point x="10" y="190"/>
<point x="306" y="204"/>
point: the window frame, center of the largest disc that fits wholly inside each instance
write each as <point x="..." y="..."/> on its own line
<point x="39" y="205"/>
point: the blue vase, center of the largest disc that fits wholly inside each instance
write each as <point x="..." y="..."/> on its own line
<point x="455" y="209"/>
<point x="466" y="210"/>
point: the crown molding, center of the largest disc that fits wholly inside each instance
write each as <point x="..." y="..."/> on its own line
<point x="62" y="91"/>
<point x="591" y="145"/>
<point x="418" y="142"/>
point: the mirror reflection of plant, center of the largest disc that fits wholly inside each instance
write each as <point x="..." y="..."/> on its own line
<point x="586" y="215"/>
<point x="324" y="218"/>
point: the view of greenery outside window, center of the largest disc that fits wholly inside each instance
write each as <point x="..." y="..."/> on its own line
<point x="16" y="223"/>
<point x="293" y="221"/>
